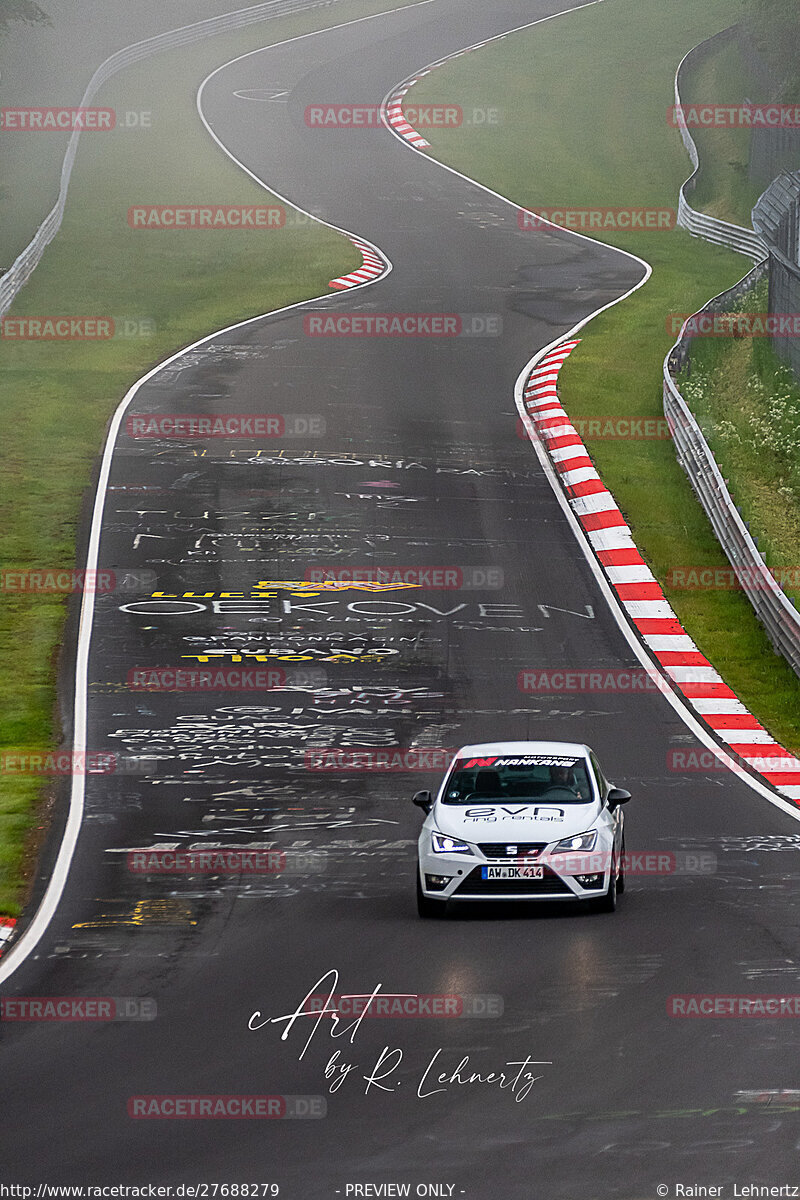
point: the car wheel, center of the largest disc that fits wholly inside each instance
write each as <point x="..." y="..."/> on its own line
<point x="427" y="907"/>
<point x="621" y="880"/>
<point x="608" y="903"/>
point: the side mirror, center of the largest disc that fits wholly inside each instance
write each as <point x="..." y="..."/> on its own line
<point x="616" y="797"/>
<point x="423" y="800"/>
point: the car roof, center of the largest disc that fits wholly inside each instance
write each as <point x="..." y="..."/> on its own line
<point x="482" y="749"/>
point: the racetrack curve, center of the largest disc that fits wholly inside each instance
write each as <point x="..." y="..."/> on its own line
<point x="420" y="465"/>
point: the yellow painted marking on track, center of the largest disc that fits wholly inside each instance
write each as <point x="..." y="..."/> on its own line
<point x="144" y="912"/>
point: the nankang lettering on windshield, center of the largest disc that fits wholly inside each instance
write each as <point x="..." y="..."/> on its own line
<point x="497" y="777"/>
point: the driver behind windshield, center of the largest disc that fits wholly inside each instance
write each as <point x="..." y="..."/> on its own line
<point x="564" y="778"/>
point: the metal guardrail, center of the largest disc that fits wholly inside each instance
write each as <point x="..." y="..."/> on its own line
<point x="723" y="233"/>
<point x="28" y="259"/>
<point x="776" y="216"/>
<point x="775" y="611"/>
<point x="772" y="606"/>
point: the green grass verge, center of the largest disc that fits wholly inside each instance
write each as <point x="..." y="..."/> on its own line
<point x="579" y="126"/>
<point x="748" y="405"/>
<point x="723" y="189"/>
<point x="60" y="396"/>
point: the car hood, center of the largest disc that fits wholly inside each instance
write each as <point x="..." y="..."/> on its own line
<point x="525" y="821"/>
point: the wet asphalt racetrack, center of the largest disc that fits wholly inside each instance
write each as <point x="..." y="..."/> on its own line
<point x="420" y="465"/>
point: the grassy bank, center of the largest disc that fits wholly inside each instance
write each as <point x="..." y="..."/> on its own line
<point x="748" y="405"/>
<point x="607" y="142"/>
<point x="723" y="189"/>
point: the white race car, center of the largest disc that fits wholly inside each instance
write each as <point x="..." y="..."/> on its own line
<point x="522" y="821"/>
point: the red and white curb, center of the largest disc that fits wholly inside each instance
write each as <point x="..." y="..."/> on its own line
<point x="393" y="107"/>
<point x="373" y="266"/>
<point x="7" y="925"/>
<point x="397" y="118"/>
<point x="638" y="591"/>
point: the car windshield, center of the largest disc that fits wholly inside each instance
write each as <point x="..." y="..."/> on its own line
<point x="562" y="779"/>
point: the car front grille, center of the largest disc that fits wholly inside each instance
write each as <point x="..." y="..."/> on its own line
<point x="500" y="849"/>
<point x="550" y="884"/>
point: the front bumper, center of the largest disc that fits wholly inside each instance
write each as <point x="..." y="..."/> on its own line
<point x="461" y="877"/>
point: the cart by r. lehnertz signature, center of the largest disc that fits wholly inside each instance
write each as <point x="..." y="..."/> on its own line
<point x="516" y="1076"/>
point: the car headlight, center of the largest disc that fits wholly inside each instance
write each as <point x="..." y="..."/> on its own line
<point x="442" y="844"/>
<point x="581" y="841"/>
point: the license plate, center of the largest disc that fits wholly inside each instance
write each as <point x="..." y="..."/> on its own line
<point x="509" y="872"/>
